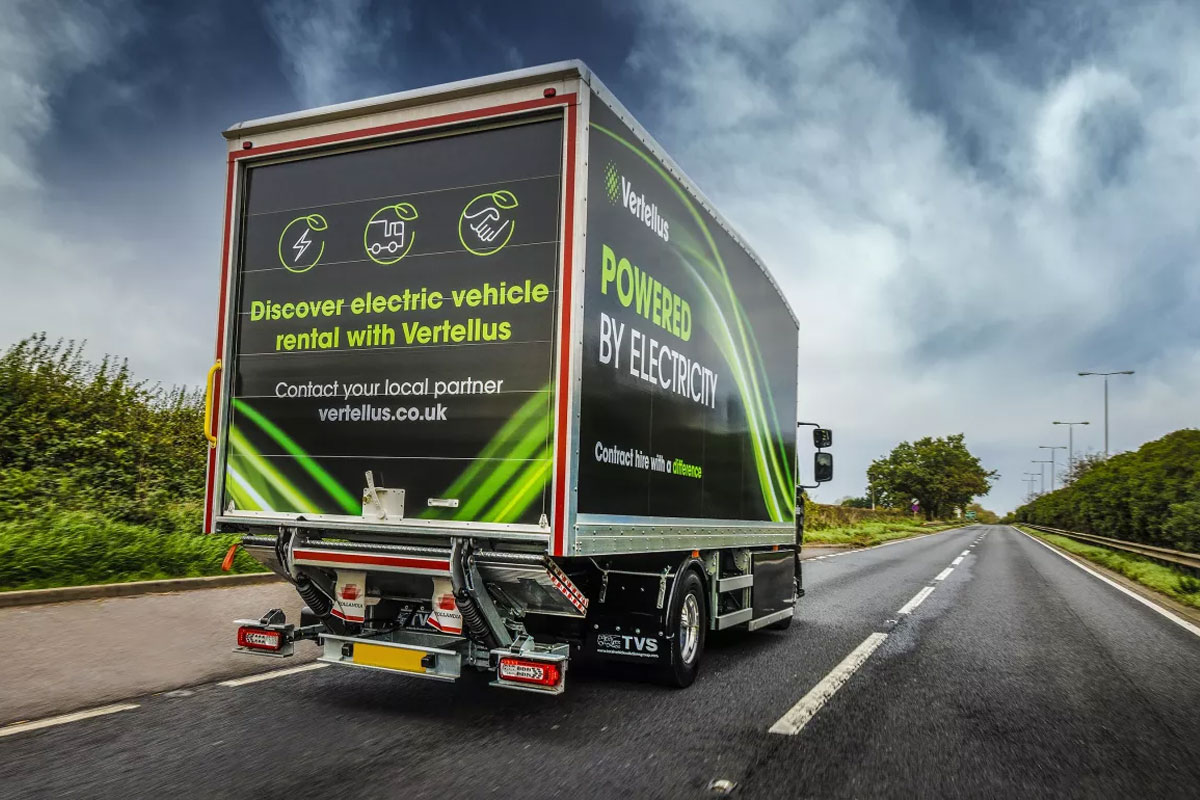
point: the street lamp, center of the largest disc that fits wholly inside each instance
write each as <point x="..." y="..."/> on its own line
<point x="1030" y="478"/>
<point x="1105" y="376"/>
<point x="1052" y="448"/>
<point x="1042" y="470"/>
<point x="1071" y="442"/>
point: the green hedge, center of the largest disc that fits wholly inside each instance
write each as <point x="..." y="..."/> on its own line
<point x="1151" y="495"/>
<point x="101" y="475"/>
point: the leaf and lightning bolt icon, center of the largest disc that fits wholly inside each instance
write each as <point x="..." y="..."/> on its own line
<point x="296" y="240"/>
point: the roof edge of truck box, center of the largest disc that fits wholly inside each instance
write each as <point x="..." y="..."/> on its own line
<point x="574" y="68"/>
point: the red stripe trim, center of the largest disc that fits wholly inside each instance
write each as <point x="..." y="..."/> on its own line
<point x="425" y="122"/>
<point x="564" y="344"/>
<point x="379" y="561"/>
<point x="340" y="615"/>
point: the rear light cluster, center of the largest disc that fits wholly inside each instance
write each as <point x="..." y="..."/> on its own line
<point x="524" y="670"/>
<point x="259" y="639"/>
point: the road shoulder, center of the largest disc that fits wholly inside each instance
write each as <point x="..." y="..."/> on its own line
<point x="1187" y="613"/>
<point x="67" y="656"/>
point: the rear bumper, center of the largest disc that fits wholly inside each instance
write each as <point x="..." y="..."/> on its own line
<point x="421" y="655"/>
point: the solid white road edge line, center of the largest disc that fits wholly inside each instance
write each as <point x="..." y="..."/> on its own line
<point x="22" y="727"/>
<point x="956" y="561"/>
<point x="941" y="576"/>
<point x="798" y="715"/>
<point x="1180" y="621"/>
<point x="918" y="598"/>
<point x="267" y="676"/>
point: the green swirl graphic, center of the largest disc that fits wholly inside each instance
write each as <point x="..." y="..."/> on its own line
<point x="734" y="336"/>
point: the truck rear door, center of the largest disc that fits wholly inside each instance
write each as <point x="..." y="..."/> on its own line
<point x="394" y="311"/>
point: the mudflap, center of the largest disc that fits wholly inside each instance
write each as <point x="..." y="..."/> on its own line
<point x="629" y="638"/>
<point x="629" y="625"/>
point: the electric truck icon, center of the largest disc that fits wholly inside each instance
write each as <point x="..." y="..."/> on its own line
<point x="392" y="236"/>
<point x="388" y="236"/>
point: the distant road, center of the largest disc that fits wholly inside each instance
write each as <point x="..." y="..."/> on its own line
<point x="1013" y="673"/>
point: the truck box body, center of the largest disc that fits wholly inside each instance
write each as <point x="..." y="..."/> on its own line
<point x="611" y="371"/>
<point x="496" y="385"/>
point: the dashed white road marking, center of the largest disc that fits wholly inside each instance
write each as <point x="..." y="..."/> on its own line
<point x="1180" y="621"/>
<point x="267" y="676"/>
<point x="918" y="598"/>
<point x="23" y="727"/>
<point x="964" y="553"/>
<point x="798" y="715"/>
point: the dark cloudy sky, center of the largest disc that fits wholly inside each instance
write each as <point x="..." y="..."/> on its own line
<point x="967" y="202"/>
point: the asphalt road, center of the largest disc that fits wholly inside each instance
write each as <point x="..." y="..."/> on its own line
<point x="1019" y="675"/>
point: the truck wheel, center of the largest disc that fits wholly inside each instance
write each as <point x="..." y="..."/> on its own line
<point x="688" y="626"/>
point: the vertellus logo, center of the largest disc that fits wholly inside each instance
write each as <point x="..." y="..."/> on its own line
<point x="616" y="185"/>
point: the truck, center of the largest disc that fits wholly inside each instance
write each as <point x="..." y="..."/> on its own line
<point x="496" y="388"/>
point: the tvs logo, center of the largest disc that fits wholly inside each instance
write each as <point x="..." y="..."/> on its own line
<point x="646" y="646"/>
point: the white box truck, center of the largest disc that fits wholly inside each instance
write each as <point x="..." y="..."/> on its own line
<point x="496" y="388"/>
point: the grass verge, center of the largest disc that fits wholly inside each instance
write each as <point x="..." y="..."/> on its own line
<point x="1174" y="583"/>
<point x="867" y="534"/>
<point x="79" y="548"/>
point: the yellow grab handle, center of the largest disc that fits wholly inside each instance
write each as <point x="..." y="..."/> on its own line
<point x="208" y="403"/>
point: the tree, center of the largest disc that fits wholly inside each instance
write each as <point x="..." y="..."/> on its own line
<point x="983" y="515"/>
<point x="939" y="472"/>
<point x="1083" y="464"/>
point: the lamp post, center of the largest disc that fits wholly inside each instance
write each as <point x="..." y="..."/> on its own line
<point x="1071" y="442"/>
<point x="1105" y="376"/>
<point x="1042" y="470"/>
<point x="1052" y="448"/>
<point x="1030" y="478"/>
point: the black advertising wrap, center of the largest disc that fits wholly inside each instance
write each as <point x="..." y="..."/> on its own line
<point x="396" y="310"/>
<point x="688" y="402"/>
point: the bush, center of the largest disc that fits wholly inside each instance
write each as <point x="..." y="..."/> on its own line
<point x="101" y="476"/>
<point x="821" y="517"/>
<point x="72" y="548"/>
<point x="79" y="436"/>
<point x="1151" y="495"/>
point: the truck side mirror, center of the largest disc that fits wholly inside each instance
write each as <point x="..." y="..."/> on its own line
<point x="822" y="467"/>
<point x="822" y="437"/>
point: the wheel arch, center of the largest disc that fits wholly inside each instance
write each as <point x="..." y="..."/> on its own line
<point x="689" y="563"/>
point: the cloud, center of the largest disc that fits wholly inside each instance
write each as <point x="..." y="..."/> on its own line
<point x="330" y="49"/>
<point x="961" y="222"/>
<point x="53" y="277"/>
<point x="41" y="45"/>
<point x="1085" y="129"/>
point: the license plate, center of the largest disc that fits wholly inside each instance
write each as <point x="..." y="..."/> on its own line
<point x="377" y="655"/>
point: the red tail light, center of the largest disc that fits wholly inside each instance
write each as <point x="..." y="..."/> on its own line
<point x="523" y="670"/>
<point x="259" y="639"/>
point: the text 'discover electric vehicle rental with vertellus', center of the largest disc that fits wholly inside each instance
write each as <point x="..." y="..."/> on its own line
<point x="497" y="388"/>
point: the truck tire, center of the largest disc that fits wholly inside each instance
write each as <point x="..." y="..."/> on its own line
<point x="687" y="625"/>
